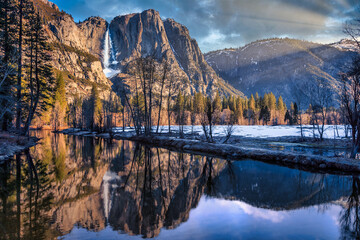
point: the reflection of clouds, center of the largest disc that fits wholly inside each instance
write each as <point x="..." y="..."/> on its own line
<point x="273" y="216"/>
<point x="332" y="210"/>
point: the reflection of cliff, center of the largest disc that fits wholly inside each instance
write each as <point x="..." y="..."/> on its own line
<point x="270" y="186"/>
<point x="93" y="183"/>
<point x="58" y="186"/>
<point x="86" y="211"/>
<point x="156" y="189"/>
<point x="77" y="196"/>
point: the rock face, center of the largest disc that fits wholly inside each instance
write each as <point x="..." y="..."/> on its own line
<point x="280" y="66"/>
<point x="93" y="30"/>
<point x="81" y="51"/>
<point x="77" y="49"/>
<point x="146" y="34"/>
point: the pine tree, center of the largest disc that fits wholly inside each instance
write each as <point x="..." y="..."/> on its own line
<point x="288" y="118"/>
<point x="217" y="106"/>
<point x="252" y="103"/>
<point x="280" y="106"/>
<point x="265" y="115"/>
<point x="96" y="107"/>
<point x="257" y="101"/>
<point x="199" y="103"/>
<point x="296" y="114"/>
<point x="224" y="103"/>
<point x="239" y="109"/>
<point x="272" y="102"/>
<point x="60" y="103"/>
<point x="40" y="80"/>
<point x="19" y="67"/>
<point x="180" y="116"/>
<point x="75" y="112"/>
<point x="8" y="57"/>
<point x="266" y="100"/>
<point x="250" y="112"/>
<point x="233" y="104"/>
<point x="138" y="104"/>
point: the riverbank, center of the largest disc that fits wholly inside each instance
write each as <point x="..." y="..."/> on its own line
<point x="11" y="144"/>
<point x="234" y="151"/>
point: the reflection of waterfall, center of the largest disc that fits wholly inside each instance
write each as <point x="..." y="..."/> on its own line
<point x="106" y="191"/>
<point x="109" y="58"/>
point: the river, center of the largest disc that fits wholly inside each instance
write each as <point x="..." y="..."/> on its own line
<point x="71" y="187"/>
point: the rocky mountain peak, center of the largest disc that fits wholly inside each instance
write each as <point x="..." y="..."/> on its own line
<point x="138" y="35"/>
<point x="51" y="4"/>
<point x="146" y="34"/>
<point x="347" y="45"/>
<point x="94" y="20"/>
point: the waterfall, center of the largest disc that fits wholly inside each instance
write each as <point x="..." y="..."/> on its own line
<point x="107" y="48"/>
<point x="109" y="56"/>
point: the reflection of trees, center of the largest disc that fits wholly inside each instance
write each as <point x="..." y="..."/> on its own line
<point x="158" y="188"/>
<point x="23" y="205"/>
<point x="350" y="216"/>
<point x="144" y="189"/>
<point x="59" y="157"/>
<point x="38" y="199"/>
<point x="41" y="185"/>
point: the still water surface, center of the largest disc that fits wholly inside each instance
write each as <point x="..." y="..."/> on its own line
<point x="70" y="187"/>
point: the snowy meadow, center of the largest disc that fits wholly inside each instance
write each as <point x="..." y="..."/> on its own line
<point x="258" y="131"/>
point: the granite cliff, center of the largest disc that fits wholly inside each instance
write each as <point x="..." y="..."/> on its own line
<point x="95" y="51"/>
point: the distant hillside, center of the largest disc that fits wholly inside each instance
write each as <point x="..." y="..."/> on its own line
<point x="280" y="65"/>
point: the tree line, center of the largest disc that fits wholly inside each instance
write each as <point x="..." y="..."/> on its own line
<point x="27" y="79"/>
<point x="154" y="99"/>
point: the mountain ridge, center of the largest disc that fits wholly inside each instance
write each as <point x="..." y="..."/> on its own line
<point x="146" y="34"/>
<point x="279" y="65"/>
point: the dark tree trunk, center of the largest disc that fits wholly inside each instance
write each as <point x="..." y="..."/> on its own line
<point x="18" y="91"/>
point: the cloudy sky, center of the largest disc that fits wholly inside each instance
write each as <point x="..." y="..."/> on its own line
<point x="218" y="24"/>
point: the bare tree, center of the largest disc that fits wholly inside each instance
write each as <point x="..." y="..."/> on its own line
<point x="134" y="114"/>
<point x="7" y="70"/>
<point x="210" y="115"/>
<point x="301" y="92"/>
<point x="352" y="29"/>
<point x="350" y="90"/>
<point x="322" y="99"/>
<point x="180" y="112"/>
<point x="229" y="129"/>
<point x="350" y="97"/>
<point x="165" y="70"/>
<point x="171" y="91"/>
<point x="144" y="70"/>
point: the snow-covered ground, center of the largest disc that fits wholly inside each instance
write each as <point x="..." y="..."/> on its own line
<point x="261" y="131"/>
